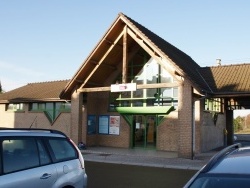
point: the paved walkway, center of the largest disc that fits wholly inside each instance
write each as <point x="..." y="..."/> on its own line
<point x="145" y="157"/>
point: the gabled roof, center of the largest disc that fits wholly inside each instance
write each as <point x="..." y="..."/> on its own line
<point x="184" y="62"/>
<point x="228" y="79"/>
<point x="42" y="91"/>
<point x="110" y="47"/>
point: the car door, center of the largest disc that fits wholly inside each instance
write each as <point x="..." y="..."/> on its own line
<point x="40" y="177"/>
<point x="26" y="164"/>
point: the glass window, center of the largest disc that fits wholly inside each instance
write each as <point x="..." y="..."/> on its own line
<point x="19" y="154"/>
<point x="214" y="104"/>
<point x="146" y="71"/>
<point x="15" y="107"/>
<point x="165" y="77"/>
<point x="34" y="106"/>
<point x="62" y="149"/>
<point x="43" y="154"/>
<point x="151" y="71"/>
<point x="51" y="109"/>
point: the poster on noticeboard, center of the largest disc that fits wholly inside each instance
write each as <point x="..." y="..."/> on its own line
<point x="103" y="124"/>
<point x="114" y="125"/>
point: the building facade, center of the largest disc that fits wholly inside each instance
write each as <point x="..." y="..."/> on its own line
<point x="135" y="90"/>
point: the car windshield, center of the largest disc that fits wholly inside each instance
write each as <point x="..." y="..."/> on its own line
<point x="221" y="181"/>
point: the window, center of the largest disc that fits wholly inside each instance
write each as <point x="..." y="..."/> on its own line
<point x="62" y="149"/>
<point x="19" y="154"/>
<point x="15" y="107"/>
<point x="43" y="155"/>
<point x="214" y="104"/>
<point x="51" y="109"/>
<point x="146" y="72"/>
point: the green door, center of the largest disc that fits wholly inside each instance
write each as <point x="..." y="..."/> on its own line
<point x="144" y="131"/>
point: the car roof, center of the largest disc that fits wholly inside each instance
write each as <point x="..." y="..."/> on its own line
<point x="234" y="162"/>
<point x="30" y="132"/>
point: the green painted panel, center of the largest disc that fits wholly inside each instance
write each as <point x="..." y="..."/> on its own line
<point x="145" y="110"/>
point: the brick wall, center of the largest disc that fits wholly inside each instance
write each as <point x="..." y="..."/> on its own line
<point x="212" y="134"/>
<point x="167" y="133"/>
<point x="76" y="117"/>
<point x="97" y="104"/>
<point x="185" y="118"/>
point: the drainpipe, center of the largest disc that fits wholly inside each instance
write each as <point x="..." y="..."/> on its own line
<point x="193" y="129"/>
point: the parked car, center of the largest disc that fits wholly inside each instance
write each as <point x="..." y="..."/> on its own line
<point x="39" y="158"/>
<point x="229" y="168"/>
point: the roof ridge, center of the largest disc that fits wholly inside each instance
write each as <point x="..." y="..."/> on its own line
<point x="42" y="82"/>
<point x="228" y="65"/>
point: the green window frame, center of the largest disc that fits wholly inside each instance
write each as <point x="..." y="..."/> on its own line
<point x="147" y="72"/>
<point x="51" y="109"/>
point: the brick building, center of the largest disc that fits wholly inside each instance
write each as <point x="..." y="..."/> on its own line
<point x="135" y="90"/>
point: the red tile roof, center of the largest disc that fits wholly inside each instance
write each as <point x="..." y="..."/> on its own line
<point x="42" y="91"/>
<point x="228" y="79"/>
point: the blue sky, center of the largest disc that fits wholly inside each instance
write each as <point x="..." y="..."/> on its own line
<point x="46" y="40"/>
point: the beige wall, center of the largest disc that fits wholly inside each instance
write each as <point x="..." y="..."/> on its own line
<point x="26" y="118"/>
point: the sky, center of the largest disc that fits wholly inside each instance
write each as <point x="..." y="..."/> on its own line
<point x="48" y="40"/>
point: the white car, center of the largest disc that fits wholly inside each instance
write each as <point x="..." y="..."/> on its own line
<point x="38" y="158"/>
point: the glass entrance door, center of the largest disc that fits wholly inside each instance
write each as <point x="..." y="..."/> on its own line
<point x="144" y="131"/>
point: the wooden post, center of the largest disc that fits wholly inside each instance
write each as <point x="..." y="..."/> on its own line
<point x="125" y="61"/>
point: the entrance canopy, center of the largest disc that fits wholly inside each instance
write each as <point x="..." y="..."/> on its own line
<point x="145" y="110"/>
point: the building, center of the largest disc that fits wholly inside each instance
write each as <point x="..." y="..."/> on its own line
<point x="135" y="90"/>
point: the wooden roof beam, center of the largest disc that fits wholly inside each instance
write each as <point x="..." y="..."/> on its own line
<point x="140" y="86"/>
<point x="151" y="52"/>
<point x="103" y="64"/>
<point x="101" y="60"/>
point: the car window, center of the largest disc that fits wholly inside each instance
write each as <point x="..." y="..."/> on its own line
<point x="43" y="154"/>
<point x="62" y="149"/>
<point x="19" y="154"/>
<point x="0" y="161"/>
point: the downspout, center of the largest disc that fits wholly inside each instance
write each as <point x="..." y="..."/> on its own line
<point x="193" y="129"/>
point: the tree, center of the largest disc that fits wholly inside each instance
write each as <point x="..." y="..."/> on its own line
<point x="238" y="123"/>
<point x="1" y="90"/>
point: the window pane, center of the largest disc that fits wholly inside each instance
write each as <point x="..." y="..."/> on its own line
<point x="10" y="106"/>
<point x="152" y="93"/>
<point x="138" y="93"/>
<point x="18" y="106"/>
<point x="49" y="106"/>
<point x="19" y="154"/>
<point x="34" y="106"/>
<point x="43" y="155"/>
<point x="152" y="71"/>
<point x="167" y="93"/>
<point x="62" y="149"/>
<point x="165" y="76"/>
<point x="50" y="110"/>
<point x="41" y="106"/>
<point x="175" y="93"/>
<point x="59" y="106"/>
